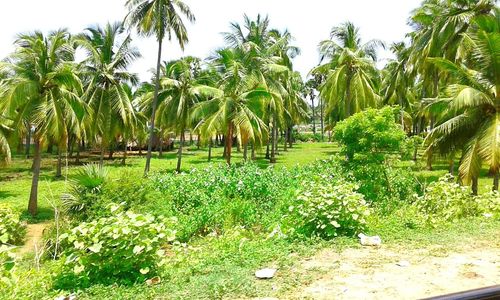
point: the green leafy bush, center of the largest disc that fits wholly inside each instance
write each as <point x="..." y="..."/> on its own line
<point x="85" y="187"/>
<point x="12" y="230"/>
<point x="221" y="197"/>
<point x="7" y="264"/>
<point x="327" y="209"/>
<point x="445" y="200"/>
<point x="489" y="204"/>
<point x="124" y="248"/>
<point x="371" y="133"/>
<point x="307" y="137"/>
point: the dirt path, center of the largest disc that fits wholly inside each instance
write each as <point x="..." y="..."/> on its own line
<point x="370" y="273"/>
<point x="33" y="237"/>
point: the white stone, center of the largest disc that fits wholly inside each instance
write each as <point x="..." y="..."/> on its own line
<point x="265" y="273"/>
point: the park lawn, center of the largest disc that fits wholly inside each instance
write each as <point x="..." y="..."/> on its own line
<point x="15" y="179"/>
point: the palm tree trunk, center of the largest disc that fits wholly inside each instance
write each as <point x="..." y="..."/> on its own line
<point x="285" y="143"/>
<point x="495" y="180"/>
<point x="33" y="202"/>
<point x="415" y="153"/>
<point x="77" y="161"/>
<point x="124" y="158"/>
<point x="160" y="153"/>
<point x="322" y="120"/>
<point x="210" y="149"/>
<point x="28" y="142"/>
<point x="59" y="162"/>
<point x="229" y="143"/>
<point x="179" y="153"/>
<point x="153" y="113"/>
<point x="474" y="185"/>
<point x="273" y="144"/>
<point x="429" y="160"/>
<point x="451" y="165"/>
<point x="267" y="149"/>
<point x="245" y="151"/>
<point x="313" y="112"/>
<point x="347" y="96"/>
<point x="290" y="137"/>
<point x="254" y="157"/>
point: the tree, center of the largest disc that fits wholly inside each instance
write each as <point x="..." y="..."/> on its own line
<point x="4" y="143"/>
<point x="238" y="108"/>
<point x="105" y="71"/>
<point x="180" y="89"/>
<point x="471" y="116"/>
<point x="351" y="79"/>
<point x="43" y="91"/>
<point x="160" y="18"/>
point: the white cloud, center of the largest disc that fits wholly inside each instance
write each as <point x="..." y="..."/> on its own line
<point x="308" y="21"/>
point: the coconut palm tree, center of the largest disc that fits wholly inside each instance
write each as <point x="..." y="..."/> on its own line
<point x="351" y="79"/>
<point x="109" y="54"/>
<point x="180" y="90"/>
<point x="43" y="91"/>
<point x="238" y="108"/>
<point x="161" y="18"/>
<point x="471" y="114"/>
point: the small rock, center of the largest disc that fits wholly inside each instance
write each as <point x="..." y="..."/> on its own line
<point x="265" y="273"/>
<point x="403" y="263"/>
<point x="369" y="240"/>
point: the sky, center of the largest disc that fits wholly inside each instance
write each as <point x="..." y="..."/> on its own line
<point x="308" y="21"/>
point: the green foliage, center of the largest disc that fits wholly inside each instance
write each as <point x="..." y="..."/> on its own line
<point x="124" y="248"/>
<point x="327" y="209"/>
<point x="307" y="137"/>
<point x="12" y="230"/>
<point x="489" y="204"/>
<point x="7" y="264"/>
<point x="445" y="200"/>
<point x="85" y="187"/>
<point x="217" y="198"/>
<point x="371" y="133"/>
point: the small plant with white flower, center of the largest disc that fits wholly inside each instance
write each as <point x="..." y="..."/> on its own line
<point x="124" y="248"/>
<point x="328" y="208"/>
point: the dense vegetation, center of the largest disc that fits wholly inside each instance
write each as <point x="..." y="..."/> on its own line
<point x="197" y="232"/>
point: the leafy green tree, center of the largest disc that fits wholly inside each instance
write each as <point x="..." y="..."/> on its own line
<point x="43" y="91"/>
<point x="371" y="133"/>
<point x="352" y="80"/>
<point x="161" y="18"/>
<point x="109" y="54"/>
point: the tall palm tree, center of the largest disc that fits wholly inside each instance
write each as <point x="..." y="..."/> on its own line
<point x="161" y="18"/>
<point x="238" y="108"/>
<point x="351" y="79"/>
<point x="398" y="84"/>
<point x="109" y="54"/>
<point x="471" y="114"/>
<point x="180" y="90"/>
<point x="43" y="91"/>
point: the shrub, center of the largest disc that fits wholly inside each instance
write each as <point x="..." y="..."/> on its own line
<point x="85" y="187"/>
<point x="489" y="204"/>
<point x="123" y="248"/>
<point x="327" y="209"/>
<point x="7" y="264"/>
<point x="371" y="133"/>
<point x="307" y="137"/>
<point x="12" y="230"/>
<point x="445" y="200"/>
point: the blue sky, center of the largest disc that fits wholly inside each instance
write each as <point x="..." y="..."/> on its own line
<point x="308" y="21"/>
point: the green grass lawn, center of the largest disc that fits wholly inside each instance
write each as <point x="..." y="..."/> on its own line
<point x="15" y="179"/>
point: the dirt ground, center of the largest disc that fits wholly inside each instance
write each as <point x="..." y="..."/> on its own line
<point x="34" y="235"/>
<point x="392" y="273"/>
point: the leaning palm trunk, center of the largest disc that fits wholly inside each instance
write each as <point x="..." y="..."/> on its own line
<point x="33" y="202"/>
<point x="179" y="153"/>
<point x="495" y="181"/>
<point x="153" y="112"/>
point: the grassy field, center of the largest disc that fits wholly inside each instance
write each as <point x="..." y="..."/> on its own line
<point x="15" y="179"/>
